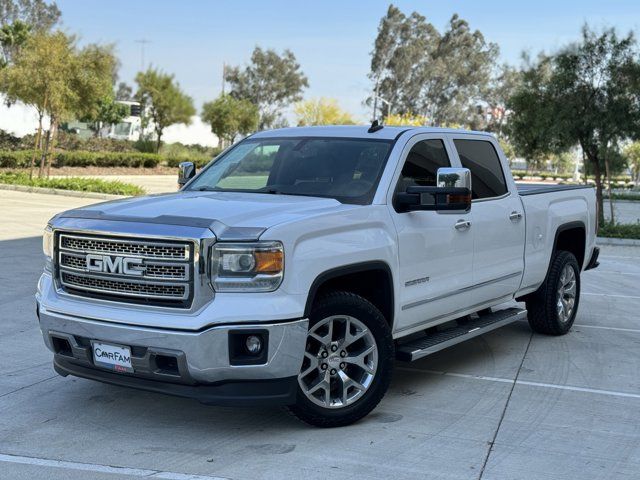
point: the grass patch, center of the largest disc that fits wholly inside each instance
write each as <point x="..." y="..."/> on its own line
<point x="620" y="230"/>
<point x="76" y="184"/>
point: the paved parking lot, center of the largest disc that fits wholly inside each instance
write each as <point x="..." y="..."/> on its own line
<point x="508" y="405"/>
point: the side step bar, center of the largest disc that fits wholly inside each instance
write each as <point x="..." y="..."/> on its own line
<point x="439" y="340"/>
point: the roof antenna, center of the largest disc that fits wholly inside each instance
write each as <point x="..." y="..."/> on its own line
<point x="375" y="126"/>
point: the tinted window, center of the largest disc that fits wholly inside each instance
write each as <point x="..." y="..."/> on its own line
<point x="422" y="164"/>
<point x="346" y="169"/>
<point x="487" y="177"/>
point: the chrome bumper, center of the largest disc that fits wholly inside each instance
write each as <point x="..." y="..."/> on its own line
<point x="200" y="357"/>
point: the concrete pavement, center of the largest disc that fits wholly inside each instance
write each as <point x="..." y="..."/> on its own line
<point x="507" y="405"/>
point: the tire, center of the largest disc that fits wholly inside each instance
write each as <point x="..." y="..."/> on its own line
<point x="548" y="313"/>
<point x="327" y="395"/>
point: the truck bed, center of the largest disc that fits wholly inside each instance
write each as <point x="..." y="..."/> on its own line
<point x="536" y="189"/>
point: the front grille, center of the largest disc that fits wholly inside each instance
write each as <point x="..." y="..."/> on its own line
<point x="149" y="271"/>
<point x="149" y="249"/>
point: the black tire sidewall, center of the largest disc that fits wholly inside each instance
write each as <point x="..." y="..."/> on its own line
<point x="543" y="304"/>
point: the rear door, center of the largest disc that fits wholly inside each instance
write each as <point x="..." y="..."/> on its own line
<point x="435" y="255"/>
<point x="498" y="220"/>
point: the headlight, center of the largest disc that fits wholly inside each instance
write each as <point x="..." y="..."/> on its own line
<point x="47" y="242"/>
<point x="247" y="267"/>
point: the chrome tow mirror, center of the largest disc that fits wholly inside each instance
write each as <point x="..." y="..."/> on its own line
<point x="452" y="193"/>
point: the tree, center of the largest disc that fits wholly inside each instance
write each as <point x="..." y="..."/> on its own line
<point x="422" y="71"/>
<point x="270" y="81"/>
<point x="108" y="112"/>
<point x="632" y="156"/>
<point x="59" y="80"/>
<point x="588" y="94"/>
<point x="406" y="119"/>
<point x="160" y="95"/>
<point x="38" y="14"/>
<point x="322" y="111"/>
<point x="230" y="117"/>
<point x="12" y="38"/>
<point x="124" y="92"/>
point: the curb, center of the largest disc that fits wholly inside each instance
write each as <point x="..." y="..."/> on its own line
<point x="57" y="191"/>
<point x="627" y="242"/>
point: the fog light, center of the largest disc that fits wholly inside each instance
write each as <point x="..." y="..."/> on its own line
<point x="253" y="344"/>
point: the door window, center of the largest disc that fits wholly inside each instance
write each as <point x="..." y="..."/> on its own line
<point x="487" y="177"/>
<point x="422" y="164"/>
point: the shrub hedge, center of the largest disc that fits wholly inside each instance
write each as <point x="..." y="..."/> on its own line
<point x="77" y="184"/>
<point x="620" y="230"/>
<point x="22" y="158"/>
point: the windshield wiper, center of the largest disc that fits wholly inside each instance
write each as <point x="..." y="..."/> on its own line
<point x="207" y="188"/>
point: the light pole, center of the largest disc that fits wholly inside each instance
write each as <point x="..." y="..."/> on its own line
<point x="386" y="102"/>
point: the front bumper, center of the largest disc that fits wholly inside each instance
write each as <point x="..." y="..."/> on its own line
<point x="190" y="364"/>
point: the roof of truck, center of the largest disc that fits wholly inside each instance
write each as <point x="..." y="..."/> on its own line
<point x="354" y="131"/>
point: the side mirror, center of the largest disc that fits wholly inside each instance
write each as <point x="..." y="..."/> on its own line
<point x="186" y="171"/>
<point x="452" y="193"/>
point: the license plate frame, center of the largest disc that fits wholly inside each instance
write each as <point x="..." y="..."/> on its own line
<point x="112" y="356"/>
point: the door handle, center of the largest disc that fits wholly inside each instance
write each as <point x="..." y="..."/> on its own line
<point x="515" y="216"/>
<point x="462" y="225"/>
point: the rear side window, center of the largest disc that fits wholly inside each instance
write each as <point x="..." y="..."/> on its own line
<point x="422" y="164"/>
<point x="487" y="177"/>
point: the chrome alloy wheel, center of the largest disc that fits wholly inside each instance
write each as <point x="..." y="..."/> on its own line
<point x="340" y="361"/>
<point x="566" y="296"/>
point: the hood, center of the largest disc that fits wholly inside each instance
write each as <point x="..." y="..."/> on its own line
<point x="217" y="210"/>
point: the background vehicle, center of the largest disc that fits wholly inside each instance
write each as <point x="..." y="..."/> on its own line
<point x="300" y="263"/>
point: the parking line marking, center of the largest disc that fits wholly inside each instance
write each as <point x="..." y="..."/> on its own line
<point x="94" y="467"/>
<point x="617" y="273"/>
<point x="617" y="329"/>
<point x="611" y="393"/>
<point x="610" y="295"/>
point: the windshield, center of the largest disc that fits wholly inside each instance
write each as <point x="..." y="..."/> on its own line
<point x="342" y="168"/>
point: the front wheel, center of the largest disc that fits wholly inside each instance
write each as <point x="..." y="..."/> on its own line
<point x="347" y="363"/>
<point x="553" y="307"/>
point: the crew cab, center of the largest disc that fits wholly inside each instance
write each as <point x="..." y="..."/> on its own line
<point x="301" y="263"/>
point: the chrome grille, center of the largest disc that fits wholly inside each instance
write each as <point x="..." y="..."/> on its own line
<point x="125" y="287"/>
<point x="160" y="271"/>
<point x="151" y="249"/>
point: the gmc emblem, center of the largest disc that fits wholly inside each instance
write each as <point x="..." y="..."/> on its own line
<point x="118" y="265"/>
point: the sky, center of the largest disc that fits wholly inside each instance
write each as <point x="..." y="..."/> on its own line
<point x="332" y="40"/>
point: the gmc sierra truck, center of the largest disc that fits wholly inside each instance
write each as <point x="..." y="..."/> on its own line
<point x="298" y="265"/>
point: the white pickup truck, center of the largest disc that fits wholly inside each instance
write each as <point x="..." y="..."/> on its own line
<point x="297" y="266"/>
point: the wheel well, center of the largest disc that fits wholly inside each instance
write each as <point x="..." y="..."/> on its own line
<point x="372" y="281"/>
<point x="572" y="238"/>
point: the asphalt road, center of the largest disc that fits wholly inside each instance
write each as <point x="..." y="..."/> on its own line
<point x="508" y="405"/>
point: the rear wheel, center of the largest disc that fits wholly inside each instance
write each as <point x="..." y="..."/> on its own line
<point x="553" y="307"/>
<point x="347" y="364"/>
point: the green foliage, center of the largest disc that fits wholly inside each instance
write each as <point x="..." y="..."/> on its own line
<point x="108" y="112"/>
<point x="38" y="14"/>
<point x="321" y="111"/>
<point x="230" y="117"/>
<point x="160" y="94"/>
<point x="175" y="153"/>
<point x="632" y="156"/>
<point x="73" y="183"/>
<point x="21" y="159"/>
<point x="425" y="72"/>
<point x="619" y="230"/>
<point x="270" y="81"/>
<point x="12" y="38"/>
<point x="586" y="95"/>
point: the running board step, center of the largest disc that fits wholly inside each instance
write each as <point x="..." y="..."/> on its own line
<point x="434" y="342"/>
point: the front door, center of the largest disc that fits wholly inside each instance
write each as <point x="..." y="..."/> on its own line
<point x="435" y="249"/>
